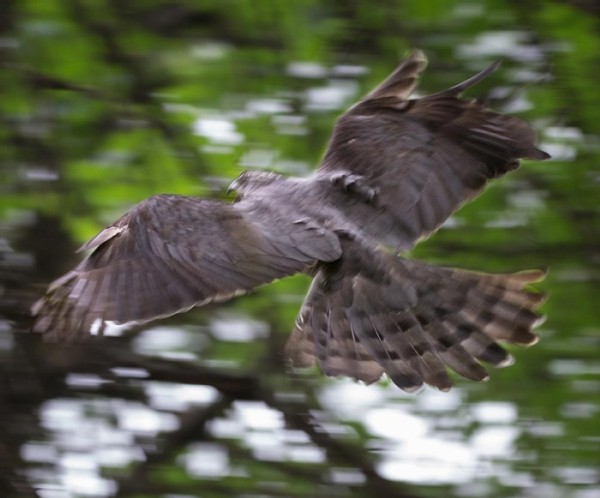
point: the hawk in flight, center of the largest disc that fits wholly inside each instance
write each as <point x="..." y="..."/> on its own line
<point x="394" y="170"/>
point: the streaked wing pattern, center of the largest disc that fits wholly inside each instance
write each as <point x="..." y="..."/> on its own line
<point x="422" y="158"/>
<point x="170" y="253"/>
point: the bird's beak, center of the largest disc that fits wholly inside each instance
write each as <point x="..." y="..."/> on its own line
<point x="232" y="186"/>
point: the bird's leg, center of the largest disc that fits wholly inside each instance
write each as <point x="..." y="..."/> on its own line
<point x="355" y="184"/>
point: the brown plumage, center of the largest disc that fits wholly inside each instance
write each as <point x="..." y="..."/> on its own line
<point x="393" y="172"/>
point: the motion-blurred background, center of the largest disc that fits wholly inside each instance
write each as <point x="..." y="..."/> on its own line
<point x="106" y="102"/>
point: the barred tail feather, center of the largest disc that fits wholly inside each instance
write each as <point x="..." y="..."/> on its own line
<point x="413" y="322"/>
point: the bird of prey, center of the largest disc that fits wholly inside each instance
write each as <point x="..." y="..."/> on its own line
<point x="394" y="170"/>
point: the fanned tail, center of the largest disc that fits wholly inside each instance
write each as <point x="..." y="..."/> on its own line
<point x="413" y="321"/>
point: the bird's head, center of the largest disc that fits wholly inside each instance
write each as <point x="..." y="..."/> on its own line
<point x="250" y="181"/>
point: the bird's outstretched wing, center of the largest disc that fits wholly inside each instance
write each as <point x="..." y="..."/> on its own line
<point x="419" y="160"/>
<point x="170" y="253"/>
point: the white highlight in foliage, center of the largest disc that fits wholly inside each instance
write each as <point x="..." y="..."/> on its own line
<point x="218" y="130"/>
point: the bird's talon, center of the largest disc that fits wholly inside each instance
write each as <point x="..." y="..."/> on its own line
<point x="354" y="184"/>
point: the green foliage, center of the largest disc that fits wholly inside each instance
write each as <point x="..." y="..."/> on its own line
<point x="100" y="100"/>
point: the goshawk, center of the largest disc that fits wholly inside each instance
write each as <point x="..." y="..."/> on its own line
<point x="394" y="170"/>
